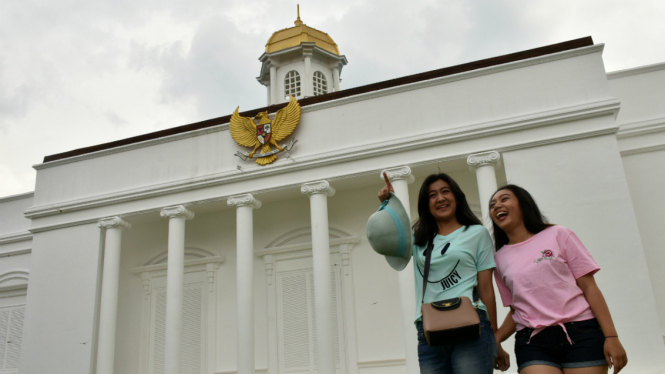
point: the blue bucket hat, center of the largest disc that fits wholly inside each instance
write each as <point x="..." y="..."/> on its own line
<point x="389" y="233"/>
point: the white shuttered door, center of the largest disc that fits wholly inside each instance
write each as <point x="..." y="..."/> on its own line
<point x="193" y="326"/>
<point x="11" y="331"/>
<point x="297" y="320"/>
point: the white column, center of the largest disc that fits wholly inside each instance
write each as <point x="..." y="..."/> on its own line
<point x="108" y="314"/>
<point x="318" y="193"/>
<point x="484" y="165"/>
<point x="174" y="285"/>
<point x="245" y="275"/>
<point x="400" y="178"/>
<point x="335" y="72"/>
<point x="308" y="76"/>
<point x="273" y="86"/>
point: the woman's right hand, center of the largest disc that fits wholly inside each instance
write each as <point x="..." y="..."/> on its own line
<point x="502" y="361"/>
<point x="384" y="193"/>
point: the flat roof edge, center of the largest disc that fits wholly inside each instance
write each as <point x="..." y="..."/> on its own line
<point x="474" y="65"/>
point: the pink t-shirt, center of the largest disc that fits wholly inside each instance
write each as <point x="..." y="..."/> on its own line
<point x="538" y="278"/>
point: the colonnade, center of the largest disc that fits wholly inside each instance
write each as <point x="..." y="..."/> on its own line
<point x="483" y="164"/>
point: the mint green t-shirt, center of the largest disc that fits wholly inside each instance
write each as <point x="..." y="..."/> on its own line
<point x="454" y="274"/>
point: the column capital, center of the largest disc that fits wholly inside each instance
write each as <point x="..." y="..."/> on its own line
<point x="477" y="160"/>
<point x="399" y="173"/>
<point x="113" y="222"/>
<point x="177" y="211"/>
<point x="318" y="187"/>
<point x="244" y="200"/>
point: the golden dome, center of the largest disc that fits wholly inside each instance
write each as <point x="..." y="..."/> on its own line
<point x="293" y="36"/>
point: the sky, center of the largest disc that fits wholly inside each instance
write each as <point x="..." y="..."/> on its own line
<point x="76" y="73"/>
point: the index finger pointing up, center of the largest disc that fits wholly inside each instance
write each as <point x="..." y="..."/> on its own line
<point x="385" y="177"/>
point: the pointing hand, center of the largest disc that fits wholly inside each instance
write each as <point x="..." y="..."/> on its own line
<point x="384" y="193"/>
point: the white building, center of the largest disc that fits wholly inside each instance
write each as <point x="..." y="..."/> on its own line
<point x="83" y="292"/>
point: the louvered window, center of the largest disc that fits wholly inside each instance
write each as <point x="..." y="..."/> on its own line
<point x="192" y="337"/>
<point x="11" y="329"/>
<point x="292" y="84"/>
<point x="297" y="320"/>
<point x="320" y="84"/>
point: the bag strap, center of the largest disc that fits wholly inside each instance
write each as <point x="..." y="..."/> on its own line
<point x="428" y="259"/>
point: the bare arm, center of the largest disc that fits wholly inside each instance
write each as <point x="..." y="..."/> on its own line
<point x="486" y="294"/>
<point x="507" y="327"/>
<point x="614" y="351"/>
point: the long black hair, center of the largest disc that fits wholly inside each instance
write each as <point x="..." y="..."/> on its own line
<point x="426" y="226"/>
<point x="534" y="220"/>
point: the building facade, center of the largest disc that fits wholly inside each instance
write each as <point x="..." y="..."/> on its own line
<point x="166" y="253"/>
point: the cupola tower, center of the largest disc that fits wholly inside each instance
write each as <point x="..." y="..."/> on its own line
<point x="300" y="61"/>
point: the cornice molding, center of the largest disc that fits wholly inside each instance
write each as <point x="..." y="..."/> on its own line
<point x="399" y="173"/>
<point x="635" y="71"/>
<point x="113" y="223"/>
<point x="462" y="133"/>
<point x="305" y="49"/>
<point x="16" y="276"/>
<point x="646" y="149"/>
<point x="13" y="291"/>
<point x="646" y="127"/>
<point x="15" y="237"/>
<point x="317" y="187"/>
<point x="477" y="160"/>
<point x="16" y="252"/>
<point x="334" y="243"/>
<point x="160" y="267"/>
<point x="20" y="196"/>
<point x="258" y="371"/>
<point x="512" y="147"/>
<point x="176" y="211"/>
<point x="381" y="363"/>
<point x="244" y="200"/>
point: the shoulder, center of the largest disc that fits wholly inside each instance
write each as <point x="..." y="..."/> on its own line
<point x="561" y="233"/>
<point x="477" y="230"/>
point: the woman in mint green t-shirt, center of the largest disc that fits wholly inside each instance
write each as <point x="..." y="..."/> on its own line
<point x="462" y="258"/>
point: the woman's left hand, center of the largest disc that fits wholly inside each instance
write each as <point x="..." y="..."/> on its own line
<point x="615" y="354"/>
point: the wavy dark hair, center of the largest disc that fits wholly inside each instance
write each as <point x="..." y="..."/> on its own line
<point x="426" y="227"/>
<point x="534" y="220"/>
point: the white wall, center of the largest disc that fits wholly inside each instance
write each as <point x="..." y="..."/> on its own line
<point x="581" y="185"/>
<point x="641" y="92"/>
<point x="59" y="321"/>
<point x="645" y="173"/>
<point x="642" y="143"/>
<point x="12" y="220"/>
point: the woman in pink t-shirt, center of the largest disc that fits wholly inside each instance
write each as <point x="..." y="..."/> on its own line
<point x="545" y="274"/>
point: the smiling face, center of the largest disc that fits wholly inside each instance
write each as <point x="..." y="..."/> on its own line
<point x="505" y="210"/>
<point x="442" y="202"/>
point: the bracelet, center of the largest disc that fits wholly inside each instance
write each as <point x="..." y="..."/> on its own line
<point x="613" y="336"/>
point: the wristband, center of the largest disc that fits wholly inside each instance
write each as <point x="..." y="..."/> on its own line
<point x="613" y="336"/>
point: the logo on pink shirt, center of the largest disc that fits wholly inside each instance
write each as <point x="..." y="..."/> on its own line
<point x="547" y="255"/>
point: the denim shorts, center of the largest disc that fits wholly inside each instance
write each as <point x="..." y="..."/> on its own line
<point x="551" y="346"/>
<point x="471" y="357"/>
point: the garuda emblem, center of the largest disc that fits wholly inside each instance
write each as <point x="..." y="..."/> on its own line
<point x="266" y="133"/>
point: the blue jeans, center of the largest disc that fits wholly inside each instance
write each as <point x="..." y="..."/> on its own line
<point x="471" y="357"/>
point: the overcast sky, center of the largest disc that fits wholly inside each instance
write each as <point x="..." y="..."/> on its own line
<point x="75" y="73"/>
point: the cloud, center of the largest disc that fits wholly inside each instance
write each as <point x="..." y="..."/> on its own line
<point x="79" y="73"/>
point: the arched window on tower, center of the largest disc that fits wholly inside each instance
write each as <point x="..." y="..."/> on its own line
<point x="292" y="84"/>
<point x="320" y="84"/>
